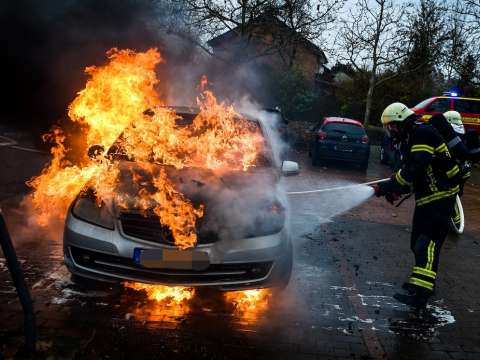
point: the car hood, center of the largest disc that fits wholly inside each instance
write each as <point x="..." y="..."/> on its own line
<point x="236" y="204"/>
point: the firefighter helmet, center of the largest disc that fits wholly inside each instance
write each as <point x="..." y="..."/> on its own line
<point x="397" y="112"/>
<point x="455" y="119"/>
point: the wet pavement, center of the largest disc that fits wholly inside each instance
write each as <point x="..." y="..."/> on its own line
<point x="338" y="305"/>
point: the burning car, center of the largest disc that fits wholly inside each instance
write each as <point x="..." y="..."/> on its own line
<point x="224" y="227"/>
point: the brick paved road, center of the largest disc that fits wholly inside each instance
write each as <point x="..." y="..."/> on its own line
<point x="338" y="304"/>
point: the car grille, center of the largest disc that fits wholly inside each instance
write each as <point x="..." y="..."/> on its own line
<point x="214" y="273"/>
<point x="148" y="227"/>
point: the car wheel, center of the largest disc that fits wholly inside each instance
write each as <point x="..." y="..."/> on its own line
<point x="314" y="156"/>
<point x="316" y="159"/>
<point x="284" y="277"/>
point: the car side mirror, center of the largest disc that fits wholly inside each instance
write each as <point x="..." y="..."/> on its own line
<point x="95" y="151"/>
<point x="290" y="168"/>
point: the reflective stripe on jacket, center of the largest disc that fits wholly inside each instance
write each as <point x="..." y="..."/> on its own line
<point x="427" y="169"/>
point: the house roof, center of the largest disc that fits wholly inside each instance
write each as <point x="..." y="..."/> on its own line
<point x="266" y="19"/>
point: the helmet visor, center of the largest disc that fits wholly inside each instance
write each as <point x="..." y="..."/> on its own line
<point x="459" y="129"/>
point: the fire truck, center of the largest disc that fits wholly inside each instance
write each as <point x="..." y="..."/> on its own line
<point x="469" y="108"/>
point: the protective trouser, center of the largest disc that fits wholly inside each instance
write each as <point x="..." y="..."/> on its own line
<point x="430" y="228"/>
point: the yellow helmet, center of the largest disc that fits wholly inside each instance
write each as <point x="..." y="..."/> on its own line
<point x="395" y="112"/>
<point x="455" y="119"/>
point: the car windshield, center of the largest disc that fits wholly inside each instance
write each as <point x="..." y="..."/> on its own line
<point x="422" y="104"/>
<point x="344" y="128"/>
<point x="264" y="159"/>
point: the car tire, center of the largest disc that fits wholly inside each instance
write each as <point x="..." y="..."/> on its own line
<point x="286" y="273"/>
<point x="316" y="161"/>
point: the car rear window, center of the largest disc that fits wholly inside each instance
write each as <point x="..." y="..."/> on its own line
<point x="344" y="128"/>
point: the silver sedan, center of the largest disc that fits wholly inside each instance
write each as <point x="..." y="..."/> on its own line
<point x="243" y="241"/>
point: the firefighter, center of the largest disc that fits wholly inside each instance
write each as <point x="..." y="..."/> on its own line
<point x="429" y="172"/>
<point x="455" y="120"/>
<point x="450" y="126"/>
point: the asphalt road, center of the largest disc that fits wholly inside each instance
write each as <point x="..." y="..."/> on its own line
<point x="349" y="261"/>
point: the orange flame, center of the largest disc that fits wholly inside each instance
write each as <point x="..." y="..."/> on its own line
<point x="167" y="301"/>
<point x="169" y="294"/>
<point x="112" y="109"/>
<point x="116" y="95"/>
<point x="249" y="304"/>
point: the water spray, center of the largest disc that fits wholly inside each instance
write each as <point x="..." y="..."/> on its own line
<point x="336" y="188"/>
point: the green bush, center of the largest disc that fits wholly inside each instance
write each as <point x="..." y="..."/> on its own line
<point x="296" y="95"/>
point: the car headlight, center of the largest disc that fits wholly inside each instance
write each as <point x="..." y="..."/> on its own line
<point x="87" y="209"/>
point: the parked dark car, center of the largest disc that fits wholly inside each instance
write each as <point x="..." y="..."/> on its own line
<point x="340" y="140"/>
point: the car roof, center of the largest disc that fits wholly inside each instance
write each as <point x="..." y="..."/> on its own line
<point x="333" y="119"/>
<point x="454" y="97"/>
<point x="193" y="110"/>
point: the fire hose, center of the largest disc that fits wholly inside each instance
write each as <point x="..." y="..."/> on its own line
<point x="20" y="284"/>
<point x="10" y="143"/>
<point x="336" y="187"/>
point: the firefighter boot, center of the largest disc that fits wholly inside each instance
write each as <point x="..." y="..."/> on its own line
<point x="410" y="288"/>
<point x="417" y="299"/>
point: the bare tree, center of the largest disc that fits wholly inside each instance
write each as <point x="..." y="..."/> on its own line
<point x="471" y="11"/>
<point x="213" y="17"/>
<point x="303" y="20"/>
<point x="466" y="14"/>
<point x="308" y="19"/>
<point x="456" y="45"/>
<point x="368" y="40"/>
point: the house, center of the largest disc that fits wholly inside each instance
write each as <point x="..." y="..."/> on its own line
<point x="269" y="41"/>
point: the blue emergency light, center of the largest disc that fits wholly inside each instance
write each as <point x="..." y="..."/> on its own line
<point x="450" y="93"/>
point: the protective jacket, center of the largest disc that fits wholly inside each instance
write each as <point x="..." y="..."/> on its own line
<point x="428" y="170"/>
<point x="455" y="144"/>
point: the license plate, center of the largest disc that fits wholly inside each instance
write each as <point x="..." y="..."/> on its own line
<point x="344" y="148"/>
<point x="171" y="259"/>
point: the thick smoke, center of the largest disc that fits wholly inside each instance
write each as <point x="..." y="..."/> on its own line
<point x="238" y="204"/>
<point x="48" y="44"/>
